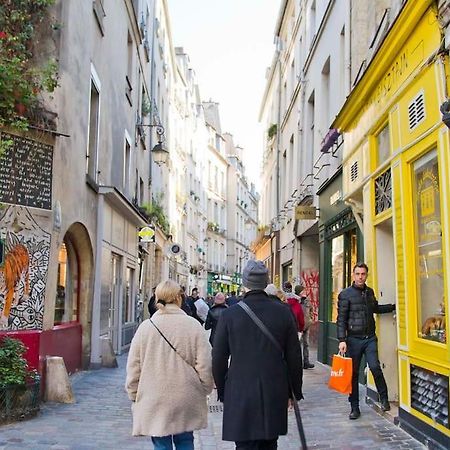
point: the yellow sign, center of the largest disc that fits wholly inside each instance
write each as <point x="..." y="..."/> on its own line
<point x="305" y="213"/>
<point x="147" y="234"/>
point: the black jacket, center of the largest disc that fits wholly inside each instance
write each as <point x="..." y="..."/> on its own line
<point x="356" y="307"/>
<point x="213" y="318"/>
<point x="254" y="387"/>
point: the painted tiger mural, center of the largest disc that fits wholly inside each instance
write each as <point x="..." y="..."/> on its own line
<point x="16" y="265"/>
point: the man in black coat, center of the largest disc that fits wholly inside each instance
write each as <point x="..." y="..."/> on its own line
<point x="254" y="388"/>
<point x="356" y="334"/>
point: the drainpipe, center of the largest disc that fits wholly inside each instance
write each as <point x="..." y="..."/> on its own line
<point x="96" y="359"/>
<point x="152" y="100"/>
<point x="278" y="232"/>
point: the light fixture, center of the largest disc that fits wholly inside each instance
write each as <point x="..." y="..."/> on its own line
<point x="159" y="152"/>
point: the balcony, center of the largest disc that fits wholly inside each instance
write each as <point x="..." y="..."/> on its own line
<point x="214" y="227"/>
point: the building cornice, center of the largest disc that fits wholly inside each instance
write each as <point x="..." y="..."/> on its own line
<point x="393" y="42"/>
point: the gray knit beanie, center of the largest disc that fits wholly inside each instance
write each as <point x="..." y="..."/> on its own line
<point x="255" y="275"/>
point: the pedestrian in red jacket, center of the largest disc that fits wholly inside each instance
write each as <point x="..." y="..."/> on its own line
<point x="296" y="308"/>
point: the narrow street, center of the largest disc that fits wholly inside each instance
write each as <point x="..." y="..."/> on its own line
<point x="101" y="419"/>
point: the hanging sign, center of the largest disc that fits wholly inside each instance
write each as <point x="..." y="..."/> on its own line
<point x="305" y="212"/>
<point x="147" y="234"/>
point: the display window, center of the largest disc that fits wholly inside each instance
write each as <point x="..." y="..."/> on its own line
<point x="428" y="242"/>
<point x="343" y="259"/>
<point x="383" y="145"/>
<point x="128" y="300"/>
<point x="66" y="303"/>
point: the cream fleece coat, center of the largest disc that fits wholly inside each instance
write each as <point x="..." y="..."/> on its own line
<point x="169" y="394"/>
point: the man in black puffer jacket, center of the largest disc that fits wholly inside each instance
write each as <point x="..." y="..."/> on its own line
<point x="356" y="334"/>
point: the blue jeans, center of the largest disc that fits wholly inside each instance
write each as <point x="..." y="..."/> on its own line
<point x="182" y="441"/>
<point x="367" y="347"/>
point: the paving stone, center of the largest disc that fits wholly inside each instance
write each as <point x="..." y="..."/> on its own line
<point x="101" y="419"/>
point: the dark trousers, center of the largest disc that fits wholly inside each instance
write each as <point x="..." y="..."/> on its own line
<point x="367" y="347"/>
<point x="257" y="445"/>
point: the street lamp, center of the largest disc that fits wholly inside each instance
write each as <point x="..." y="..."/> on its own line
<point x="159" y="152"/>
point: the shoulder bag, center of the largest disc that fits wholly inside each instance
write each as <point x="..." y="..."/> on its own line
<point x="270" y="336"/>
<point x="170" y="345"/>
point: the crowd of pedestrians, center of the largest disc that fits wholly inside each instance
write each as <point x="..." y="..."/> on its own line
<point x="258" y="348"/>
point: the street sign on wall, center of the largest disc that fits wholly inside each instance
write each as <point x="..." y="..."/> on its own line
<point x="147" y="234"/>
<point x="305" y="212"/>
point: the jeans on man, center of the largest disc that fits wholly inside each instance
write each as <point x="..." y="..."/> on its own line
<point x="257" y="445"/>
<point x="367" y="346"/>
<point x="305" y="346"/>
<point x="182" y="441"/>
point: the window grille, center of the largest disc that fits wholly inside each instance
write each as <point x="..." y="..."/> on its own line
<point x="383" y="192"/>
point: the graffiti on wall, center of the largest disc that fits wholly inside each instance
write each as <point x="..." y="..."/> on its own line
<point x="310" y="279"/>
<point x="23" y="274"/>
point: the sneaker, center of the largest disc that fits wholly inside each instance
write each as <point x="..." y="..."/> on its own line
<point x="354" y="413"/>
<point x="308" y="365"/>
<point x="385" y="405"/>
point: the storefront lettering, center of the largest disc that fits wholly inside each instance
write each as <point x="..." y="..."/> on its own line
<point x="392" y="78"/>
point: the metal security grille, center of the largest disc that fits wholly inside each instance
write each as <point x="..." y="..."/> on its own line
<point x="383" y="192"/>
<point x="429" y="394"/>
<point x="354" y="171"/>
<point x="416" y="111"/>
<point x="19" y="402"/>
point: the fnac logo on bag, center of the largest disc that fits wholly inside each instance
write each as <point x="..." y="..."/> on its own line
<point x="337" y="373"/>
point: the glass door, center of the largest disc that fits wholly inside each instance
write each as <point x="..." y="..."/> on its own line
<point x="115" y="297"/>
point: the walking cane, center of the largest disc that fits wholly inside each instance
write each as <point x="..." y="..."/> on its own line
<point x="298" y="418"/>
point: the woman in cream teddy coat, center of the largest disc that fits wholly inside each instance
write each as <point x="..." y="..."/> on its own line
<point x="169" y="388"/>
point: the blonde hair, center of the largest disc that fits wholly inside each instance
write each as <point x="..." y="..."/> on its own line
<point x="168" y="292"/>
<point x="281" y="295"/>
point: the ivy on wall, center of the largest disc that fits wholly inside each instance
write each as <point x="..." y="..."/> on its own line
<point x="22" y="78"/>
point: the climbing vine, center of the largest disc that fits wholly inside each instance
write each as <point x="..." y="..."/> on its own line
<point x="22" y="77"/>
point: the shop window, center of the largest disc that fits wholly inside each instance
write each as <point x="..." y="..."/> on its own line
<point x="66" y="303"/>
<point x="344" y="255"/>
<point x="337" y="272"/>
<point x="287" y="272"/>
<point x="127" y="307"/>
<point x="428" y="242"/>
<point x="383" y="145"/>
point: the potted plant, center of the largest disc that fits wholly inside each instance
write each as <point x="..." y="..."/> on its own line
<point x="19" y="386"/>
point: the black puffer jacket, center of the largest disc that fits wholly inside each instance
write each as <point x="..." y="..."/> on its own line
<point x="356" y="307"/>
<point x="213" y="318"/>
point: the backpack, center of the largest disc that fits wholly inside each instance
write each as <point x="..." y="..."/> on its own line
<point x="307" y="311"/>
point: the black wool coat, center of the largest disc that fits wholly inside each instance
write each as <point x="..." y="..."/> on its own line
<point x="254" y="387"/>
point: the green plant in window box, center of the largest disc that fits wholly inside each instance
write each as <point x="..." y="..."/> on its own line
<point x="272" y="131"/>
<point x="155" y="213"/>
<point x="145" y="107"/>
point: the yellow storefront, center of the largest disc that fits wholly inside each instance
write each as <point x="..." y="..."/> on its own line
<point x="396" y="168"/>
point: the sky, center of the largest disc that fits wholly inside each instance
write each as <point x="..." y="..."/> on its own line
<point x="230" y="46"/>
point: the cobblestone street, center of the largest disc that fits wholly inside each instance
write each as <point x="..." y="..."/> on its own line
<point x="101" y="419"/>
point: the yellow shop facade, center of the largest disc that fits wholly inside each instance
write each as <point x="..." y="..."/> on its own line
<point x="396" y="170"/>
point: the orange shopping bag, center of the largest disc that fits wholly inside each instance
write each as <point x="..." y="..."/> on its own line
<point x="341" y="374"/>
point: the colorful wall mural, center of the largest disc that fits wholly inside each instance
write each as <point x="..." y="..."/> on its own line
<point x="23" y="274"/>
<point x="310" y="279"/>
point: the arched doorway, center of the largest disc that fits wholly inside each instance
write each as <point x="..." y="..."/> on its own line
<point x="74" y="286"/>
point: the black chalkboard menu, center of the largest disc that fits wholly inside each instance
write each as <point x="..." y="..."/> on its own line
<point x="26" y="173"/>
